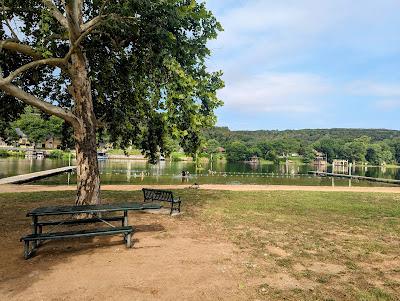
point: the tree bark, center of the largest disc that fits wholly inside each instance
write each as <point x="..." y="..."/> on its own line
<point x="88" y="177"/>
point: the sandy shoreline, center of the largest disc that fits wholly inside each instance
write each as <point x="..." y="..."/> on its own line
<point x="38" y="188"/>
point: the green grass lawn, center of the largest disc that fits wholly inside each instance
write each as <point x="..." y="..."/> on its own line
<point x="291" y="245"/>
<point x="333" y="246"/>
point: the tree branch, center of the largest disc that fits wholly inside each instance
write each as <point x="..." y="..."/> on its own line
<point x="100" y="18"/>
<point x="56" y="13"/>
<point x="58" y="62"/>
<point x="38" y="103"/>
<point x="97" y="19"/>
<point x="93" y="22"/>
<point x="21" y="48"/>
<point x="13" y="33"/>
<point x="78" y="10"/>
<point x="103" y="7"/>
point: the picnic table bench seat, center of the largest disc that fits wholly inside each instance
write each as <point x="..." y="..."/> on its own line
<point x="38" y="237"/>
<point x="162" y="196"/>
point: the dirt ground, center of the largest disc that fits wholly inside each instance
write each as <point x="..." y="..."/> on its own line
<point x="172" y="259"/>
<point x="225" y="246"/>
<point x="221" y="187"/>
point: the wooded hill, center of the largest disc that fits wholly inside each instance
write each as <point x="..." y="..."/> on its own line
<point x="225" y="136"/>
<point x="375" y="146"/>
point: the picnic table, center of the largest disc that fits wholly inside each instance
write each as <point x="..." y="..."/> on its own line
<point x="96" y="216"/>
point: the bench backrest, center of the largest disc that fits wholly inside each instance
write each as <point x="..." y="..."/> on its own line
<point x="157" y="195"/>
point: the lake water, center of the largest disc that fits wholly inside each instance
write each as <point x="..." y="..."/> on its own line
<point x="141" y="172"/>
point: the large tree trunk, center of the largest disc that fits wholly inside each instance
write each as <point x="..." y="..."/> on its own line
<point x="88" y="178"/>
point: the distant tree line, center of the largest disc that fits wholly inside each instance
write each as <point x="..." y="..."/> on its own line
<point x="371" y="146"/>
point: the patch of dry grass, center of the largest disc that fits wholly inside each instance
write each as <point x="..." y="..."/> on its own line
<point x="314" y="245"/>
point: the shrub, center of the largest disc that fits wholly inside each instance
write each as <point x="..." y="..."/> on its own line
<point x="56" y="154"/>
<point x="4" y="153"/>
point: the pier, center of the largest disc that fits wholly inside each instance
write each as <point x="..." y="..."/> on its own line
<point x="330" y="174"/>
<point x="36" y="175"/>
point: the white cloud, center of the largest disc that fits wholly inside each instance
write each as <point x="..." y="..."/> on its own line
<point x="386" y="96"/>
<point x="369" y="88"/>
<point x="387" y="104"/>
<point x="298" y="56"/>
<point x="290" y="92"/>
<point x="278" y="33"/>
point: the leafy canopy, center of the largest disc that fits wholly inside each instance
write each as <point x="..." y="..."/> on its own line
<point x="146" y="62"/>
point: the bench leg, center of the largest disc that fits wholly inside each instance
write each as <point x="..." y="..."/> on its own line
<point x="34" y="229"/>
<point x="39" y="242"/>
<point x="125" y="222"/>
<point x="27" y="252"/>
<point x="128" y="240"/>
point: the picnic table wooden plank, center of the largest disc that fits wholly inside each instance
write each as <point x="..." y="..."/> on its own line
<point x="79" y="233"/>
<point x="58" y="210"/>
<point x="81" y="221"/>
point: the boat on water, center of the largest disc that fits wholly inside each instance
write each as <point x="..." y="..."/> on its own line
<point x="102" y="156"/>
<point x="32" y="154"/>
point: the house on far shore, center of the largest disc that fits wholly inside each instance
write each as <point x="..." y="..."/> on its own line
<point x="220" y="149"/>
<point x="320" y="163"/>
<point x="51" y="143"/>
<point x="23" y="139"/>
<point x="3" y="143"/>
<point x="254" y="160"/>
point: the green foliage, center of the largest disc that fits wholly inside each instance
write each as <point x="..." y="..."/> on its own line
<point x="9" y="111"/>
<point x="395" y="145"/>
<point x="59" y="154"/>
<point x="272" y="156"/>
<point x="8" y="153"/>
<point x="238" y="151"/>
<point x="331" y="148"/>
<point x="125" y="152"/>
<point x="67" y="137"/>
<point x="36" y="127"/>
<point x="177" y="156"/>
<point x="307" y="153"/>
<point x="3" y="153"/>
<point x="146" y="63"/>
<point x="212" y="146"/>
<point x="379" y="153"/>
<point x="356" y="150"/>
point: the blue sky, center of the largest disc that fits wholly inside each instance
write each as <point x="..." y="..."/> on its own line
<point x="308" y="63"/>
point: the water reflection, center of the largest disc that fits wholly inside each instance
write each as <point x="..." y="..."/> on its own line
<point x="166" y="172"/>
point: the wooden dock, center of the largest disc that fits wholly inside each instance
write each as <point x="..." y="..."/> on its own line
<point x="330" y="174"/>
<point x="36" y="175"/>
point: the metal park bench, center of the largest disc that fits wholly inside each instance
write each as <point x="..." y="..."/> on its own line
<point x="38" y="236"/>
<point x="162" y="196"/>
